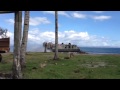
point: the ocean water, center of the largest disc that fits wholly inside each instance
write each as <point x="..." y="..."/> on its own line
<point x="91" y="50"/>
<point x="95" y="50"/>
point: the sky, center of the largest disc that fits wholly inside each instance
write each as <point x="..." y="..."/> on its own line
<point x="83" y="28"/>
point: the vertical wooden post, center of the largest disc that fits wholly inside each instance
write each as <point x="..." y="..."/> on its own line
<point x="56" y="36"/>
<point x="0" y="57"/>
<point x="17" y="74"/>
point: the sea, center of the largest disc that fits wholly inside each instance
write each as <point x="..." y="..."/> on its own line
<point x="90" y="50"/>
<point x="100" y="50"/>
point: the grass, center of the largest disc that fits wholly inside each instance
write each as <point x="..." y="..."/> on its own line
<point x="78" y="67"/>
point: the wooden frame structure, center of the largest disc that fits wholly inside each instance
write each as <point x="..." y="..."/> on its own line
<point x="17" y="28"/>
<point x="3" y="12"/>
<point x="17" y="39"/>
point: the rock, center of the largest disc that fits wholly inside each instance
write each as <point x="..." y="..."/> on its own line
<point x="5" y="76"/>
<point x="82" y="52"/>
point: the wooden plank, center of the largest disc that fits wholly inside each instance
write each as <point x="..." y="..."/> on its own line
<point x="3" y="12"/>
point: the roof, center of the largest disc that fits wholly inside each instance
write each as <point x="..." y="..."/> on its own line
<point x="2" y="12"/>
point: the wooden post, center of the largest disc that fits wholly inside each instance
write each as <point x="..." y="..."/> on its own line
<point x="0" y="57"/>
<point x="56" y="36"/>
<point x="17" y="74"/>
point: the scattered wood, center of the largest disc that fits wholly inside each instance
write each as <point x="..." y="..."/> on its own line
<point x="42" y="65"/>
<point x="5" y="76"/>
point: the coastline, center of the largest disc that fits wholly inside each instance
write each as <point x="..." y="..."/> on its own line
<point x="98" y="54"/>
<point x="80" y="53"/>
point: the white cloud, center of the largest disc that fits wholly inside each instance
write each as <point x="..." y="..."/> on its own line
<point x="34" y="21"/>
<point x="36" y="39"/>
<point x="76" y="35"/>
<point x="38" y="20"/>
<point x="105" y="43"/>
<point x="98" y="11"/>
<point x="11" y="21"/>
<point x="101" y="18"/>
<point x="49" y="12"/>
<point x="63" y="13"/>
<point x="79" y="15"/>
<point x="59" y="12"/>
<point x="11" y="35"/>
<point x="79" y="38"/>
<point x="48" y="34"/>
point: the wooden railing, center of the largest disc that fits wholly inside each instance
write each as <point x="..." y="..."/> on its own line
<point x="2" y="12"/>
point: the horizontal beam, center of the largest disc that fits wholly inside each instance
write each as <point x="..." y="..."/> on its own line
<point x="3" y="12"/>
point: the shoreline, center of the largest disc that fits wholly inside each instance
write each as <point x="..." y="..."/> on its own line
<point x="77" y="53"/>
<point x="100" y="54"/>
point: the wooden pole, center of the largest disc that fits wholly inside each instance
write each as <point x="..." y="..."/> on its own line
<point x="56" y="36"/>
<point x="17" y="74"/>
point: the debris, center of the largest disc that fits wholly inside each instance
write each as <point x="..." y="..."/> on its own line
<point x="34" y="68"/>
<point x="42" y="65"/>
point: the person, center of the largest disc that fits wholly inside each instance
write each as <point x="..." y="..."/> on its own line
<point x="0" y="57"/>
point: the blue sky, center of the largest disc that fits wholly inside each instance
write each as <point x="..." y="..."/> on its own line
<point x="84" y="28"/>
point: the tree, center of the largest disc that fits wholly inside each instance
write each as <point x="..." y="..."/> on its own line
<point x="16" y="72"/>
<point x="24" y="40"/>
<point x="3" y="32"/>
<point x="56" y="36"/>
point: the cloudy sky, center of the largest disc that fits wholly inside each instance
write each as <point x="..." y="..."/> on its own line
<point x="84" y="28"/>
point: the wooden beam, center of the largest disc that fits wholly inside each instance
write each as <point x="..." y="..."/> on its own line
<point x="17" y="74"/>
<point x="3" y="12"/>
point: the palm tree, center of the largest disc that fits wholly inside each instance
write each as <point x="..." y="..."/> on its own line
<point x="56" y="36"/>
<point x="17" y="74"/>
<point x="24" y="39"/>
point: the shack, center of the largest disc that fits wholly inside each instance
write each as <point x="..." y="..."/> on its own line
<point x="4" y="45"/>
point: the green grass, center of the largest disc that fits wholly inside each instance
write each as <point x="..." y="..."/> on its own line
<point x="77" y="67"/>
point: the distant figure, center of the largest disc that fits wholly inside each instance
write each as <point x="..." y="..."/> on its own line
<point x="0" y="57"/>
<point x="45" y="44"/>
<point x="71" y="55"/>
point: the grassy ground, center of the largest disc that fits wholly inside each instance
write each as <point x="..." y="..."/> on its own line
<point x="41" y="66"/>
